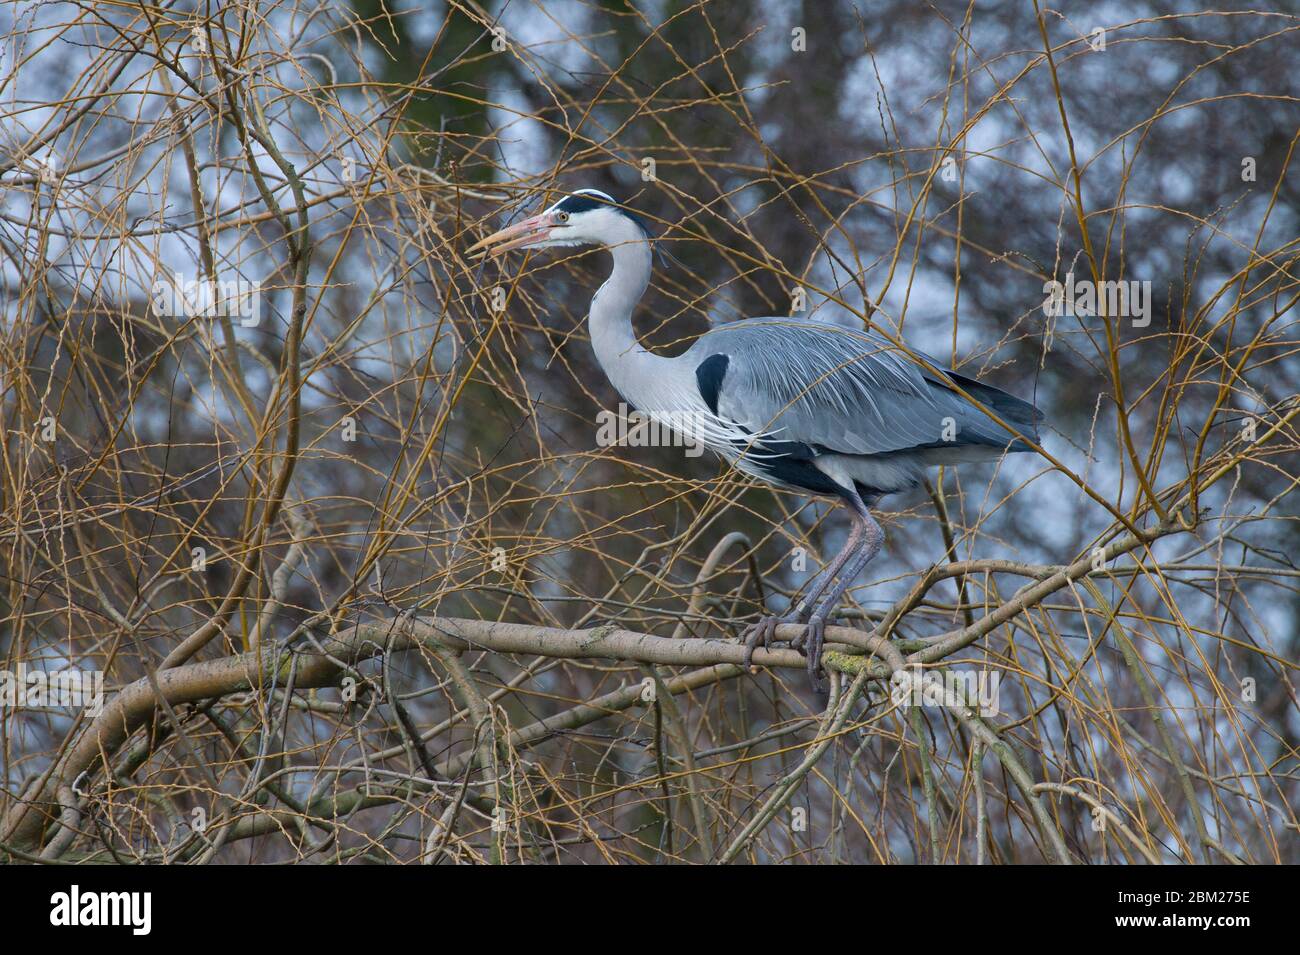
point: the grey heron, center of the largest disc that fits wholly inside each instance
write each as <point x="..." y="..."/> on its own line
<point x="801" y="404"/>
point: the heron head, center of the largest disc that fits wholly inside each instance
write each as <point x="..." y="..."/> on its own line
<point x="587" y="217"/>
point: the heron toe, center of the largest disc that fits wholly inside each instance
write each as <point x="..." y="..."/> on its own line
<point x="762" y="631"/>
<point x="814" y="638"/>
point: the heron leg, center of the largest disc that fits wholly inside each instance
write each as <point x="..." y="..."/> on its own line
<point x="872" y="540"/>
<point x="824" y="594"/>
<point x="803" y="609"/>
<point x="763" y="631"/>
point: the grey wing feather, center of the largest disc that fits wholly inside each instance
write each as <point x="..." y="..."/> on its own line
<point x="850" y="391"/>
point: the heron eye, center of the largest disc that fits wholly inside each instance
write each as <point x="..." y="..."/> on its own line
<point x="562" y="216"/>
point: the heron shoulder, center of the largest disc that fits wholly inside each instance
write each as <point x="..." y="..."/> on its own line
<point x="709" y="375"/>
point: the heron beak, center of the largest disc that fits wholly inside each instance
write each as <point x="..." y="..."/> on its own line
<point x="512" y="237"/>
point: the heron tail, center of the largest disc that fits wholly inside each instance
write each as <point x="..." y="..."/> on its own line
<point x="1018" y="413"/>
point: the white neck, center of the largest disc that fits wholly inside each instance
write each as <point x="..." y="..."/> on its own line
<point x="629" y="367"/>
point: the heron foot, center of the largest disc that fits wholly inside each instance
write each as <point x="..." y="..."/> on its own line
<point x="809" y="642"/>
<point x="762" y="631"/>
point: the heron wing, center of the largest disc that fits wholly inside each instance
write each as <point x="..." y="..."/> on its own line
<point x="852" y="392"/>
